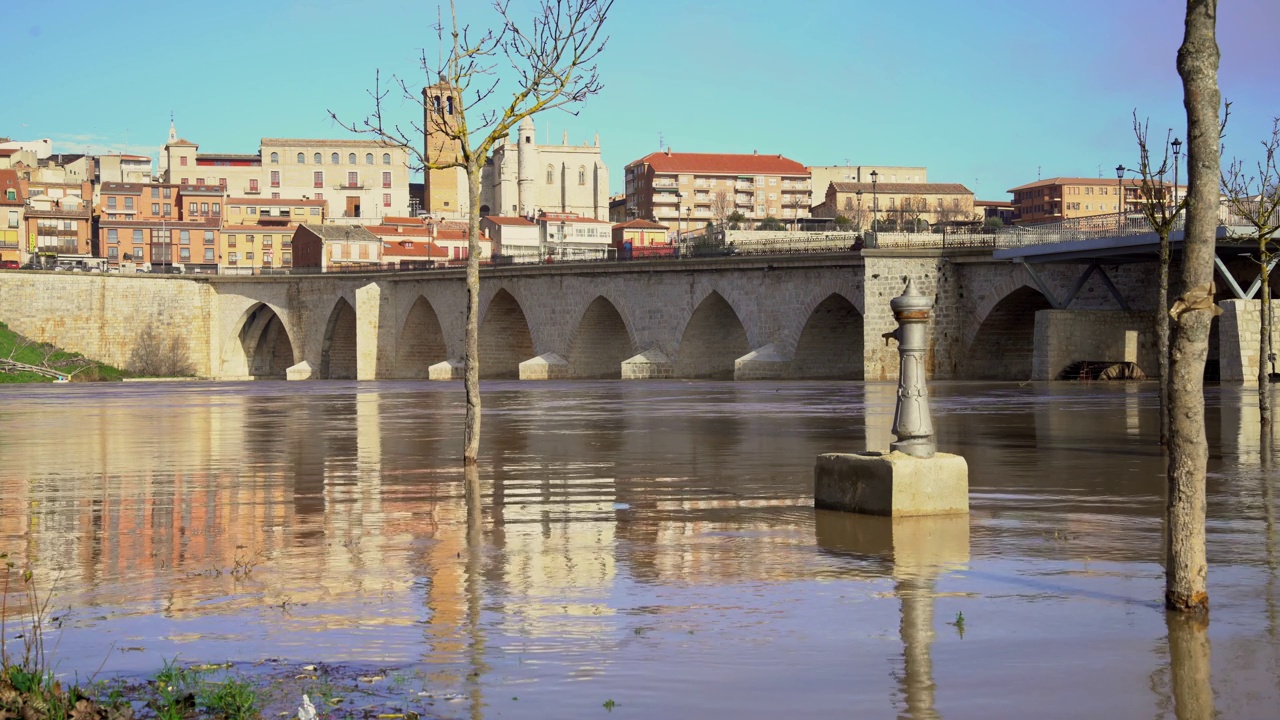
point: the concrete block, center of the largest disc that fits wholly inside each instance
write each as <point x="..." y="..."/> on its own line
<point x="761" y="364"/>
<point x="893" y="484"/>
<point x="648" y="365"/>
<point x="302" y="371"/>
<point x="548" y="366"/>
<point x="446" y="370"/>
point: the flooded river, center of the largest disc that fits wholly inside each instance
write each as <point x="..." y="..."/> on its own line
<point x="652" y="544"/>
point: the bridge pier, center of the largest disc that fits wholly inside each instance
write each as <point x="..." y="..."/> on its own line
<point x="761" y="364"/>
<point x="652" y="364"/>
<point x="1063" y="337"/>
<point x="376" y="334"/>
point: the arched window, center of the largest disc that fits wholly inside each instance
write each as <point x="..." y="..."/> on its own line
<point x="435" y="102"/>
<point x="275" y="158"/>
<point x="449" y="105"/>
<point x="316" y="158"/>
<point x="333" y="158"/>
<point x="302" y="158"/>
<point x="351" y="158"/>
<point x="551" y="175"/>
<point x="386" y="158"/>
<point x="368" y="158"/>
<point x="582" y="175"/>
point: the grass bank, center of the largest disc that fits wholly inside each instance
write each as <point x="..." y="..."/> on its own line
<point x="24" y="350"/>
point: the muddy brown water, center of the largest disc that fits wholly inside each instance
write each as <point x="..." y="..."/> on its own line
<point x="649" y="543"/>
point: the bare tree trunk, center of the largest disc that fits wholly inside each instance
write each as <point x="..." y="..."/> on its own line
<point x="1264" y="349"/>
<point x="1186" y="568"/>
<point x="1162" y="337"/>
<point x="471" y="358"/>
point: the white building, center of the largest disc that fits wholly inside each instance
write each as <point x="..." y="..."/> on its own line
<point x="567" y="236"/>
<point x="513" y="236"/>
<point x="524" y="178"/>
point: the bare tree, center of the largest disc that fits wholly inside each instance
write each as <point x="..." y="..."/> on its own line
<point x="155" y="356"/>
<point x="548" y="63"/>
<point x="912" y="208"/>
<point x="1256" y="199"/>
<point x="721" y="206"/>
<point x="1156" y="204"/>
<point x="1186" y="567"/>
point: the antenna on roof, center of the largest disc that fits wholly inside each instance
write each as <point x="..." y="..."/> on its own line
<point x="1099" y="171"/>
<point x="1037" y="172"/>
<point x="660" y="140"/>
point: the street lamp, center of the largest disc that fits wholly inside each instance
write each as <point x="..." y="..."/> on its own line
<point x="679" y="209"/>
<point x="1177" y="150"/>
<point x="875" y="204"/>
<point x="859" y="194"/>
<point x="1119" y="199"/>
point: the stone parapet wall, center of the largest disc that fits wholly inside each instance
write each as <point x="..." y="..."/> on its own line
<point x="101" y="316"/>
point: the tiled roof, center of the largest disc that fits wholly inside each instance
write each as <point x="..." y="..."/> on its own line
<point x="641" y="225"/>
<point x="6" y="152"/>
<point x="903" y="188"/>
<point x="398" y="220"/>
<point x="119" y="188"/>
<point x="504" y="220"/>
<point x="342" y="232"/>
<point x="1048" y="182"/>
<point x="386" y="231"/>
<point x="264" y="229"/>
<point x="723" y="163"/>
<point x="182" y="141"/>
<point x="993" y="203"/>
<point x="426" y="249"/>
<point x="202" y="190"/>
<point x="304" y="142"/>
<point x="451" y="234"/>
<point x="228" y="156"/>
<point x="274" y="201"/>
<point x="568" y="218"/>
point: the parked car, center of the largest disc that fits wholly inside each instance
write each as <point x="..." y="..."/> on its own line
<point x="10" y="265"/>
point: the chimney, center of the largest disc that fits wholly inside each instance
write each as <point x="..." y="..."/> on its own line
<point x="755" y="152"/>
<point x="668" y="151"/>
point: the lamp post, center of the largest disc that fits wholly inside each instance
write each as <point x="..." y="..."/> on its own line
<point x="875" y="204"/>
<point x="679" y="211"/>
<point x="859" y="194"/>
<point x="1120" y="199"/>
<point x="1177" y="150"/>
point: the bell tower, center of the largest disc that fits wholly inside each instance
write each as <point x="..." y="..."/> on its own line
<point x="443" y="190"/>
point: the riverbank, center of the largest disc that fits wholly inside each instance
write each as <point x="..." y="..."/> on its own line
<point x="74" y="366"/>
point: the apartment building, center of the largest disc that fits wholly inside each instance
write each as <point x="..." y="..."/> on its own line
<point x="257" y="233"/>
<point x="686" y="190"/>
<point x="159" y="225"/>
<point x="329" y="248"/>
<point x="358" y="178"/>
<point x="822" y="176"/>
<point x="13" y="203"/>
<point x="568" y="236"/>
<point x="1063" y="198"/>
<point x="59" y="217"/>
<point x="512" y="236"/>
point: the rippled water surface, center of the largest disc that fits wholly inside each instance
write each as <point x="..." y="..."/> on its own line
<point x="652" y="543"/>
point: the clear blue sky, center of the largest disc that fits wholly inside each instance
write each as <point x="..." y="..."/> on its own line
<point x="981" y="91"/>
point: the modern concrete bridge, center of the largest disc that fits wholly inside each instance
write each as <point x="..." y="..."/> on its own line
<point x="817" y="315"/>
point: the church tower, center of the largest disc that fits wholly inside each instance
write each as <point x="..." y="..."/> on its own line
<point x="444" y="191"/>
<point x="526" y="167"/>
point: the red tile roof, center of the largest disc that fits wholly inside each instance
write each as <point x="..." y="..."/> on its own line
<point x="6" y="152"/>
<point x="641" y="225"/>
<point x="263" y="229"/>
<point x="903" y="188"/>
<point x="1049" y="182"/>
<point x="504" y="220"/>
<point x="723" y="163"/>
<point x="9" y="181"/>
<point x="386" y="231"/>
<point x="569" y="218"/>
<point x="400" y="220"/>
<point x="250" y="202"/>
<point x="426" y="249"/>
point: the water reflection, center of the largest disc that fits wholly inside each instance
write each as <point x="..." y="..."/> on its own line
<point x="649" y="542"/>
<point x="1190" y="671"/>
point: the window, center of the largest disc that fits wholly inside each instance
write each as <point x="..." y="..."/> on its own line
<point x="353" y="179"/>
<point x="351" y="158"/>
<point x="111" y="203"/>
<point x="168" y="209"/>
<point x="368" y="158"/>
<point x="183" y="181"/>
<point x="137" y="237"/>
<point x="316" y="158"/>
<point x="287" y="258"/>
<point x="386" y="179"/>
<point x="275" y="158"/>
<point x="113" y="253"/>
<point x="551" y="175"/>
<point x="233" y="258"/>
<point x="333" y="159"/>
<point x="248" y="239"/>
<point x="183" y="161"/>
<point x="217" y="208"/>
<point x="317" y="179"/>
<point x="184" y="237"/>
<point x="386" y="158"/>
<point x="386" y="200"/>
<point x="155" y="208"/>
<point x="199" y="181"/>
<point x="112" y="235"/>
<point x="208" y="237"/>
<point x="184" y="254"/>
<point x="266" y="241"/>
<point x="208" y="255"/>
<point x="319" y="196"/>
<point x="139" y="255"/>
<point x="204" y="208"/>
<point x="155" y="192"/>
<point x="248" y="256"/>
<point x="193" y="208"/>
<point x="275" y="178"/>
<point x="275" y="196"/>
<point x="253" y="185"/>
<point x="582" y="176"/>
<point x="315" y="211"/>
<point x="302" y="158"/>
<point x="252" y="211"/>
<point x="168" y="193"/>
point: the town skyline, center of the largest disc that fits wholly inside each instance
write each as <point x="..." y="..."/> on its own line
<point x="989" y="99"/>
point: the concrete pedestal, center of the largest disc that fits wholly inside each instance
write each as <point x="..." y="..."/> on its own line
<point x="760" y="364"/>
<point x="548" y="366"/>
<point x="302" y="371"/>
<point x="651" y="364"/>
<point x="446" y="370"/>
<point x="893" y="484"/>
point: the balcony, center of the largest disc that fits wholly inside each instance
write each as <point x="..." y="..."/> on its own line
<point x="350" y="186"/>
<point x="252" y="190"/>
<point x="59" y="249"/>
<point x="665" y="184"/>
<point x="744" y="186"/>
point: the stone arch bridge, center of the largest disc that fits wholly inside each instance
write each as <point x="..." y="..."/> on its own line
<point x="818" y="316"/>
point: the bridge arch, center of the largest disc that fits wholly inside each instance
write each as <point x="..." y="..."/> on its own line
<point x="713" y="338"/>
<point x="1003" y="344"/>
<point x="421" y="342"/>
<point x="338" y="353"/>
<point x="262" y="344"/>
<point x="505" y="338"/>
<point x="831" y="342"/>
<point x="600" y="342"/>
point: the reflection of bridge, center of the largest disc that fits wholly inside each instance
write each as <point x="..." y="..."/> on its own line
<point x="1003" y="313"/>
